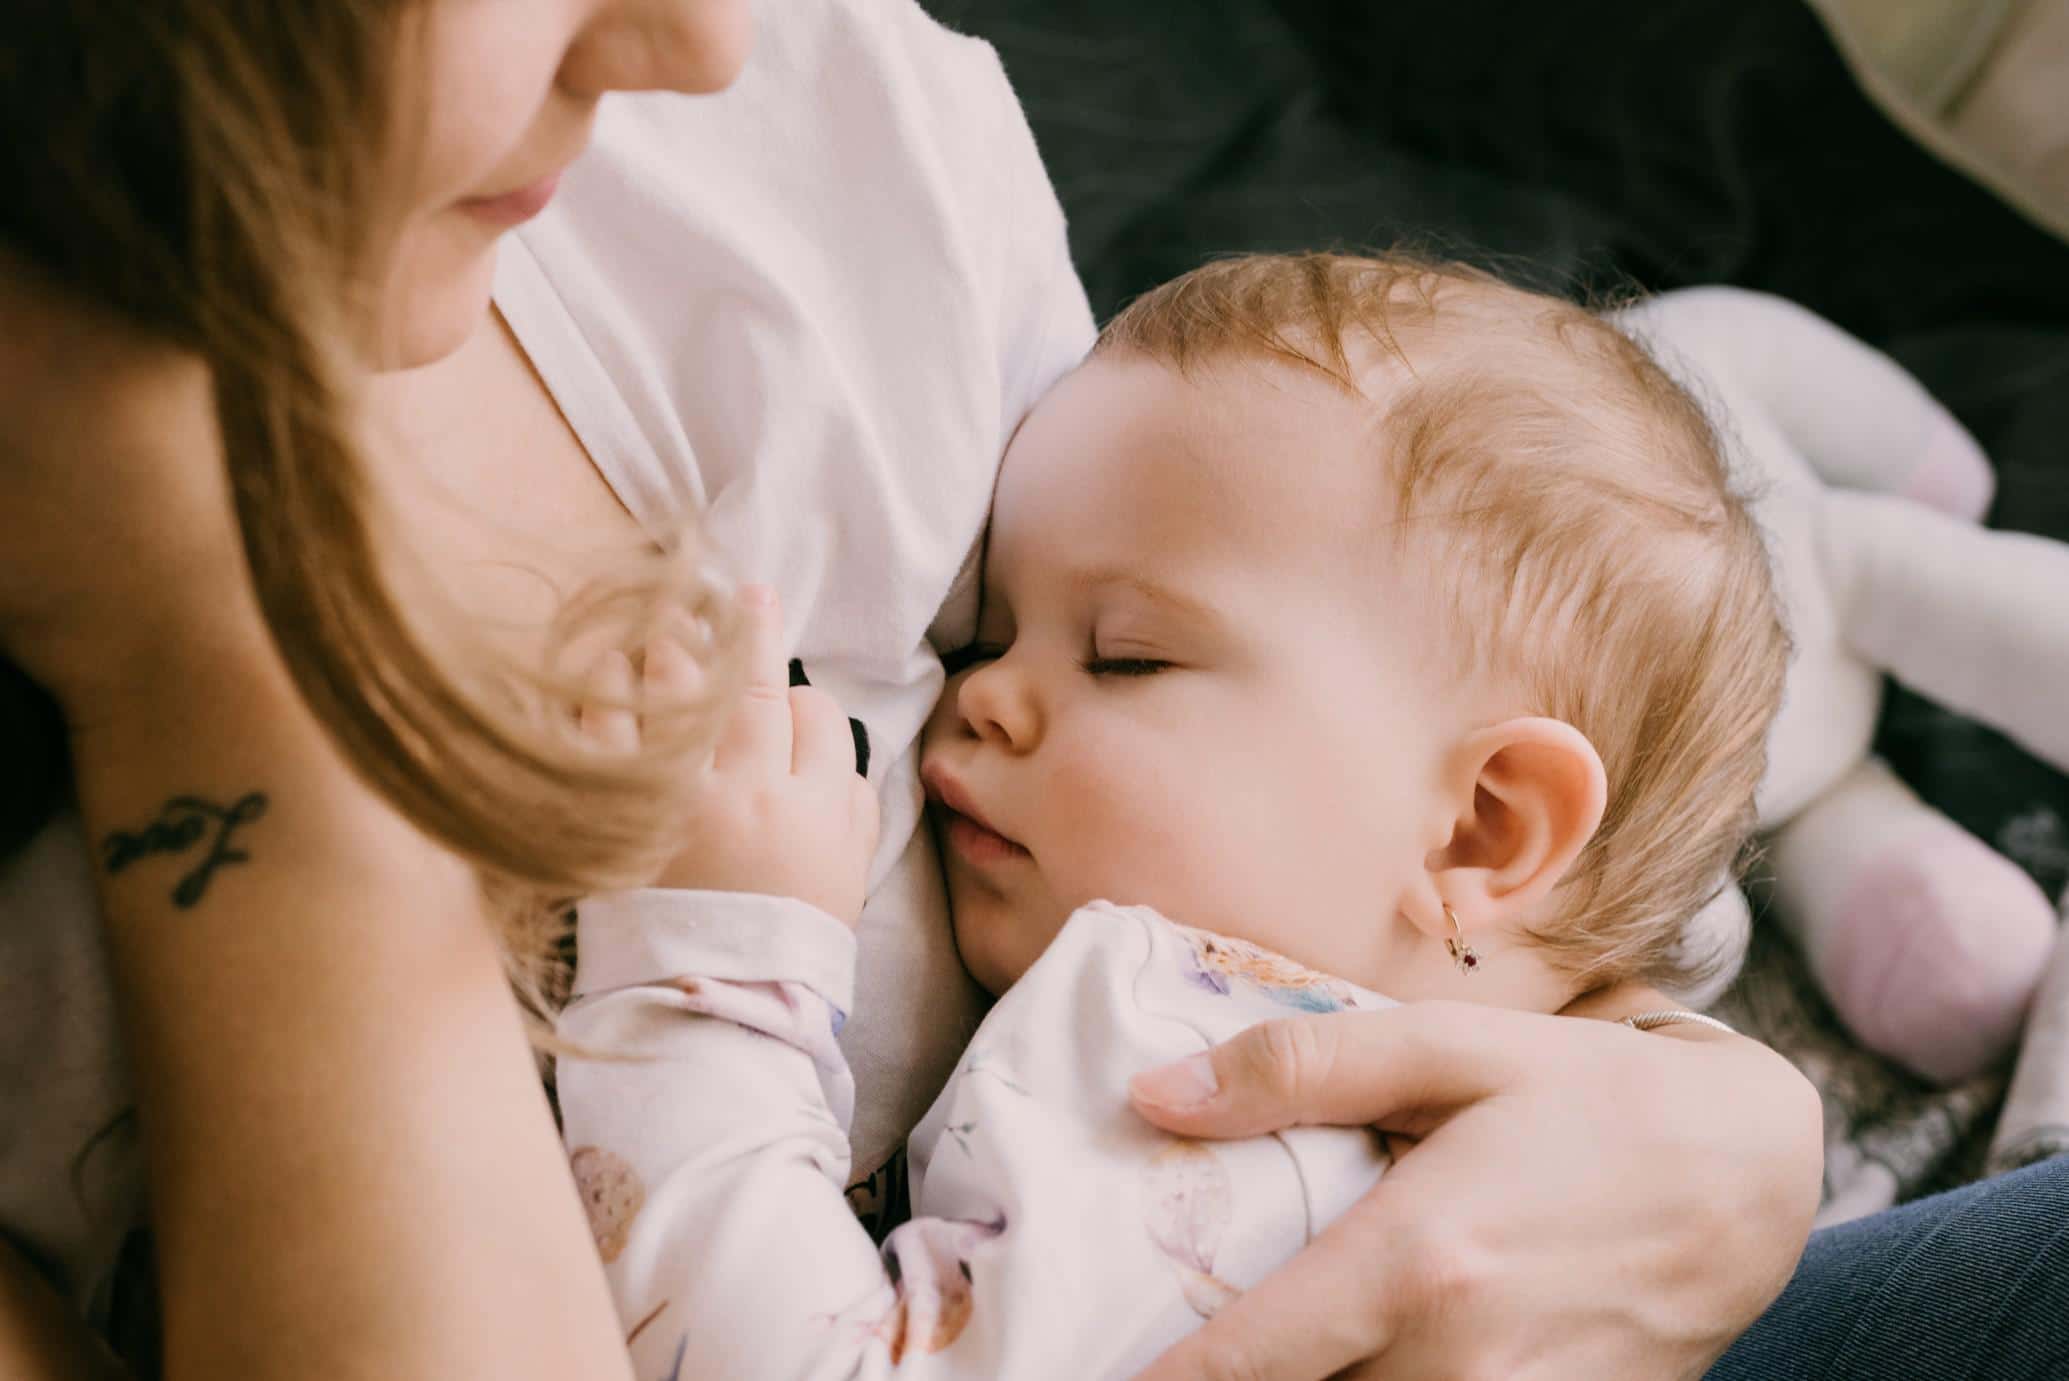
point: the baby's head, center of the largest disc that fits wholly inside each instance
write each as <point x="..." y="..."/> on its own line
<point x="1330" y="595"/>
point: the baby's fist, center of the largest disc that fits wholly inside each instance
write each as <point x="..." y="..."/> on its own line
<point x="781" y="809"/>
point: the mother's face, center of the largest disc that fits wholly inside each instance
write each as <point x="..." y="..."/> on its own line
<point x="505" y="93"/>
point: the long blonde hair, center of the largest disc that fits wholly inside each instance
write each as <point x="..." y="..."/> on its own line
<point x="216" y="171"/>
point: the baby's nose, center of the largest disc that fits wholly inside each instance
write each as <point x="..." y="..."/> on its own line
<point x="998" y="702"/>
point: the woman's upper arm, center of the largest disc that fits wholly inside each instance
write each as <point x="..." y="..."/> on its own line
<point x="345" y="1134"/>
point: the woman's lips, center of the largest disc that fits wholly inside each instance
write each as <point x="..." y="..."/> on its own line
<point x="514" y="208"/>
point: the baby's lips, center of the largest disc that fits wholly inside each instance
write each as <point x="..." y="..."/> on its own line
<point x="943" y="788"/>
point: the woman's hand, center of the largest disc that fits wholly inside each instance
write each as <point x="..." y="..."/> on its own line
<point x="1580" y="1199"/>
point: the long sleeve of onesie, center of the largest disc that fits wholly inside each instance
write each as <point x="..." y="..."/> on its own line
<point x="1055" y="1233"/>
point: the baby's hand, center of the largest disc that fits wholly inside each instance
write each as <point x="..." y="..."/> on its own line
<point x="780" y="809"/>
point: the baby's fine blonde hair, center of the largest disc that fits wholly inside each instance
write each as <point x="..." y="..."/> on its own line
<point x="1577" y="508"/>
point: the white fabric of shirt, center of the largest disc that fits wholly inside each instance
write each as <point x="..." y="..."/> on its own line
<point x="1056" y="1233"/>
<point x="810" y="309"/>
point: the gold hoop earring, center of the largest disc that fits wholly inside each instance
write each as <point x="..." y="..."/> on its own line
<point x="1462" y="954"/>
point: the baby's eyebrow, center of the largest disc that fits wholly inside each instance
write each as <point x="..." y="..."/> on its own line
<point x="1088" y="579"/>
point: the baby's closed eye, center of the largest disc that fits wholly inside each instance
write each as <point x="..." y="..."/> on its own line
<point x="1123" y="666"/>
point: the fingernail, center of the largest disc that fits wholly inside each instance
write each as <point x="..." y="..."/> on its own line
<point x="1185" y="1084"/>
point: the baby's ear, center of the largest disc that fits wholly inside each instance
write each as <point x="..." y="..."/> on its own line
<point x="1526" y="796"/>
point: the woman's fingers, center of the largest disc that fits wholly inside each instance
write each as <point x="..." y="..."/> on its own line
<point x="758" y="733"/>
<point x="1585" y="1201"/>
<point x="606" y="716"/>
<point x="1402" y="1067"/>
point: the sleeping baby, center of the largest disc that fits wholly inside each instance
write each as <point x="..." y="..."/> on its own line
<point x="1354" y="631"/>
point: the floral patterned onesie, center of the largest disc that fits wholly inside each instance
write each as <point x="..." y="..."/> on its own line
<point x="1056" y="1234"/>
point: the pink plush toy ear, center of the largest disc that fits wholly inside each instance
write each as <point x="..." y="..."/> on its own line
<point x="1933" y="951"/>
<point x="1929" y="943"/>
<point x="1936" y="951"/>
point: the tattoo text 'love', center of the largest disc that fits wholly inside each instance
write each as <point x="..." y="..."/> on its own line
<point x="183" y="822"/>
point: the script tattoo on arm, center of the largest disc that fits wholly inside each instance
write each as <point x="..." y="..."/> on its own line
<point x="183" y="822"/>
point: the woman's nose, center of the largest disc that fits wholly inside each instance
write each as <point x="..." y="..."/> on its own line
<point x="1000" y="706"/>
<point x="659" y="45"/>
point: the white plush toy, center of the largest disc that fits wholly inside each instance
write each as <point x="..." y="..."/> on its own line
<point x="1928" y="943"/>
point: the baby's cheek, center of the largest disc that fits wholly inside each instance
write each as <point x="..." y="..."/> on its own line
<point x="1141" y="830"/>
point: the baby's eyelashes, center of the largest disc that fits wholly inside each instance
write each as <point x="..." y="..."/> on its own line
<point x="1123" y="666"/>
<point x="1093" y="663"/>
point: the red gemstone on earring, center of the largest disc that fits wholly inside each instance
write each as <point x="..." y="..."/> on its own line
<point x="1472" y="960"/>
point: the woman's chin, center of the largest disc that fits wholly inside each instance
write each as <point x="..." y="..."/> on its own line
<point x="430" y="316"/>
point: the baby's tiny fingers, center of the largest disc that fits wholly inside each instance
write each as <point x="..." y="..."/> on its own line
<point x="821" y="740"/>
<point x="606" y="717"/>
<point x="757" y="735"/>
<point x="763" y="614"/>
<point x="868" y="813"/>
<point x="672" y="676"/>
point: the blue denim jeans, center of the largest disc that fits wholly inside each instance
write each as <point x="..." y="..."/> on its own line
<point x="1973" y="1283"/>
